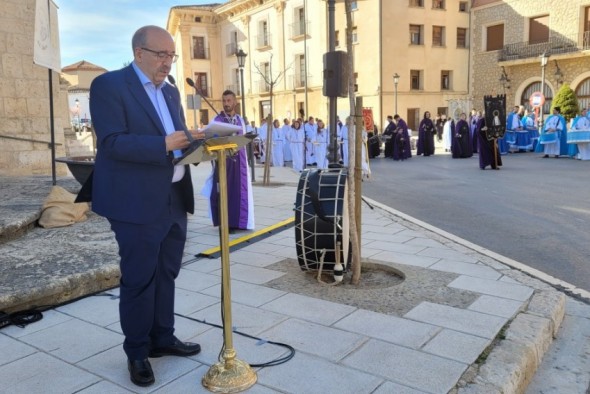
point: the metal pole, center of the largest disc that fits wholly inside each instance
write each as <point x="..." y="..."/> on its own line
<point x="358" y="167"/>
<point x="543" y="64"/>
<point x="396" y="98"/>
<point x="332" y="100"/>
<point x="250" y="149"/>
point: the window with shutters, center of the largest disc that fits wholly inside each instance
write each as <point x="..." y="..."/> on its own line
<point x="438" y="36"/>
<point x="416" y="34"/>
<point x="461" y="37"/>
<point x="539" y="29"/>
<point x="494" y="37"/>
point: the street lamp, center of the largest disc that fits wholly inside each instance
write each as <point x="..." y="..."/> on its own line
<point x="241" y="56"/>
<point x="504" y="80"/>
<point x="395" y="82"/>
<point x="558" y="74"/>
<point x="544" y="59"/>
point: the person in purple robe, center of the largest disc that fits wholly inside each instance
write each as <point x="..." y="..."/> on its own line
<point x="487" y="148"/>
<point x="461" y="145"/>
<point x="401" y="140"/>
<point x="239" y="187"/>
<point x="426" y="133"/>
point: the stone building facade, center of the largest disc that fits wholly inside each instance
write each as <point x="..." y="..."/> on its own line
<point x="509" y="37"/>
<point x="433" y="68"/>
<point x="24" y="97"/>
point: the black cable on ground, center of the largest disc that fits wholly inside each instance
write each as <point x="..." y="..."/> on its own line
<point x="272" y="363"/>
<point x="21" y="318"/>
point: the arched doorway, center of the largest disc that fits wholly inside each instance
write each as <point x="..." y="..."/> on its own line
<point x="583" y="93"/>
<point x="536" y="87"/>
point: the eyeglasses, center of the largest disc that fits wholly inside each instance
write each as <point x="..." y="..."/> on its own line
<point x="162" y="54"/>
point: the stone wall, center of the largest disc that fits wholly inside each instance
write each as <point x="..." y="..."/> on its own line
<point x="565" y="19"/>
<point x="24" y="97"/>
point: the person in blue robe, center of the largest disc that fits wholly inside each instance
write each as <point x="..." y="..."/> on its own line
<point x="553" y="138"/>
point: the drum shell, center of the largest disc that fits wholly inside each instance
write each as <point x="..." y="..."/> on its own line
<point x="318" y="232"/>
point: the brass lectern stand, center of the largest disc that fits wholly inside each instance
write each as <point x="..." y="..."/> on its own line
<point x="230" y="375"/>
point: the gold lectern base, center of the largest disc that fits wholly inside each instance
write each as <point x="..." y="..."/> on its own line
<point x="234" y="377"/>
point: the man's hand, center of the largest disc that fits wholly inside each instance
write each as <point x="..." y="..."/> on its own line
<point x="179" y="140"/>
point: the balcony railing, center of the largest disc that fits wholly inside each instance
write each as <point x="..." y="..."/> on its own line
<point x="263" y="40"/>
<point x="555" y="45"/>
<point x="298" y="81"/>
<point x="234" y="88"/>
<point x="263" y="86"/>
<point x="299" y="28"/>
<point x="202" y="53"/>
<point x="231" y="49"/>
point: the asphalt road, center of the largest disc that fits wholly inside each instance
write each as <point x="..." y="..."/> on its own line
<point x="533" y="210"/>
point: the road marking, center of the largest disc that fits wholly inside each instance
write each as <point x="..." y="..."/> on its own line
<point x="212" y="251"/>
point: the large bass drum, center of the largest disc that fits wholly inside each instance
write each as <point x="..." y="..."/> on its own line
<point x="321" y="219"/>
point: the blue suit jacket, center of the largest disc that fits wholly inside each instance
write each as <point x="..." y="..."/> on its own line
<point x="133" y="172"/>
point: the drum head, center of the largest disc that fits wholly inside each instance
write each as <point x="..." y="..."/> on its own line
<point x="321" y="219"/>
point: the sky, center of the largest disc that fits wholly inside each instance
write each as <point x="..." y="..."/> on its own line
<point x="100" y="31"/>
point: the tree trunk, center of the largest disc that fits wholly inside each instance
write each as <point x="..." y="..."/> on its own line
<point x="354" y="240"/>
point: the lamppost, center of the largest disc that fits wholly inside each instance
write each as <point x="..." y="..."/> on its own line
<point x="504" y="80"/>
<point x="78" y="128"/>
<point x="241" y="56"/>
<point x="544" y="59"/>
<point x="395" y="82"/>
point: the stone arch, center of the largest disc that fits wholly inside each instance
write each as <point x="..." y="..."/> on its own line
<point x="581" y="86"/>
<point x="525" y="85"/>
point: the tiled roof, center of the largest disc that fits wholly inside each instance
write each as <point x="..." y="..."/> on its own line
<point x="83" y="65"/>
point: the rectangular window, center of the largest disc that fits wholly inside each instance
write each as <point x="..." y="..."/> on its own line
<point x="438" y="4"/>
<point x="237" y="86"/>
<point x="415" y="34"/>
<point x="462" y="6"/>
<point x="300" y="76"/>
<point x="263" y="35"/>
<point x="441" y="110"/>
<point x="337" y="38"/>
<point x="586" y="43"/>
<point x="461" y="37"/>
<point x="299" y="27"/>
<point x="356" y="85"/>
<point x="416" y="3"/>
<point x="354" y="6"/>
<point x="494" y="37"/>
<point x="199" y="51"/>
<point x="201" y="82"/>
<point x="438" y="36"/>
<point x="416" y="79"/>
<point x="204" y="114"/>
<point x="445" y="80"/>
<point x="355" y="38"/>
<point x="539" y="29"/>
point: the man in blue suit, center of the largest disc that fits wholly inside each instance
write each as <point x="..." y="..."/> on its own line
<point x="140" y="128"/>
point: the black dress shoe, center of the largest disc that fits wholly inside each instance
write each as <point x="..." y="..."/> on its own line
<point x="178" y="348"/>
<point x="141" y="372"/>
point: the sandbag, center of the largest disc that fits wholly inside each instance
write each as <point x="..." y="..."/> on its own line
<point x="59" y="209"/>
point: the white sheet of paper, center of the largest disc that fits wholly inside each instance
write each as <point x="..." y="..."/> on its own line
<point x="220" y="129"/>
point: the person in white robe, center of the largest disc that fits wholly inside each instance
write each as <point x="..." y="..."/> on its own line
<point x="277" y="144"/>
<point x="286" y="128"/>
<point x="297" y="144"/>
<point x="310" y="128"/>
<point x="320" y="145"/>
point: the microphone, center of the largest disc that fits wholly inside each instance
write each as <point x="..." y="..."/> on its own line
<point x="193" y="85"/>
<point x="186" y="132"/>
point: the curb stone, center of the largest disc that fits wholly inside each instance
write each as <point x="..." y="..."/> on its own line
<point x="513" y="362"/>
